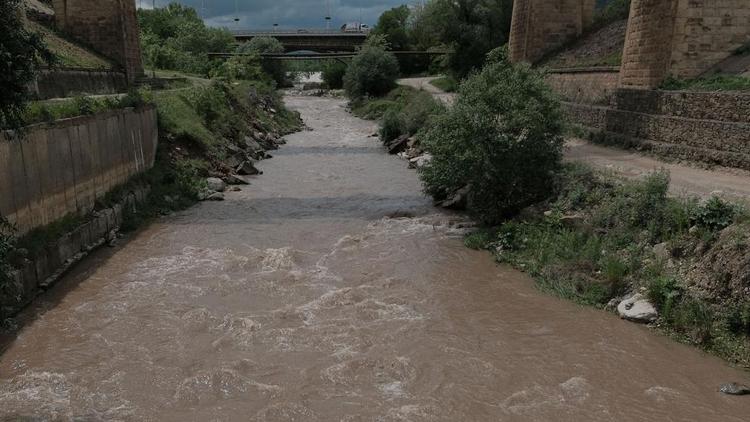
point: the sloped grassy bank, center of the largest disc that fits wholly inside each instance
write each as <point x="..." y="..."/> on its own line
<point x="218" y="130"/>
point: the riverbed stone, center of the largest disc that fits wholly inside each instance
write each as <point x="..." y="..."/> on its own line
<point x="216" y="196"/>
<point x="216" y="184"/>
<point x="421" y="161"/>
<point x="234" y="179"/>
<point x="734" y="389"/>
<point x="247" y="169"/>
<point x="637" y="308"/>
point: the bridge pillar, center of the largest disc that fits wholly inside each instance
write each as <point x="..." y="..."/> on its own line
<point x="539" y="26"/>
<point x="109" y="26"/>
<point x="684" y="38"/>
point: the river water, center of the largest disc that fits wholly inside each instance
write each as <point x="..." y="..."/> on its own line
<point x="330" y="290"/>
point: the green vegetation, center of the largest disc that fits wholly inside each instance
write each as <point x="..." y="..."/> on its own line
<point x="49" y="111"/>
<point x="409" y="116"/>
<point x="175" y="38"/>
<point x="7" y="250"/>
<point x="602" y="237"/>
<point x="333" y="74"/>
<point x="268" y="45"/>
<point x="372" y="72"/>
<point x="469" y="28"/>
<point x="501" y="139"/>
<point x="613" y="11"/>
<point x="68" y="53"/>
<point x="709" y="83"/>
<point x="393" y="25"/>
<point x="446" y="83"/>
<point x="23" y="53"/>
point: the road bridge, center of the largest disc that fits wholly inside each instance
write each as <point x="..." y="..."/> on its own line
<point x="321" y="41"/>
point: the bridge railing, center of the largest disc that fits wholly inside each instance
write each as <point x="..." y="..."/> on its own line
<point x="297" y="32"/>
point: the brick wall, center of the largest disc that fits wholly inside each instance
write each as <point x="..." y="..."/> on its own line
<point x="108" y="26"/>
<point x="539" y="26"/>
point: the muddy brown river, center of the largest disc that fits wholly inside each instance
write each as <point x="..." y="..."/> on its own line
<point x="309" y="296"/>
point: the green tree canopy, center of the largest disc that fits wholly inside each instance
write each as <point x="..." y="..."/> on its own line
<point x="21" y="54"/>
<point x="268" y="45"/>
<point x="175" y="38"/>
<point x="393" y="24"/>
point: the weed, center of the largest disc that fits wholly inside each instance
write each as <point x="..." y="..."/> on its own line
<point x="715" y="215"/>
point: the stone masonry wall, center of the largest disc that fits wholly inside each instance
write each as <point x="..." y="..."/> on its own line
<point x="63" y="168"/>
<point x="708" y="127"/>
<point x="539" y="26"/>
<point x="645" y="58"/>
<point x="61" y="83"/>
<point x="706" y="32"/>
<point x="585" y="85"/>
<point x="108" y="26"/>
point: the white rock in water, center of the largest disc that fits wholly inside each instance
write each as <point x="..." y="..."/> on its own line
<point x="637" y="308"/>
<point x="216" y="184"/>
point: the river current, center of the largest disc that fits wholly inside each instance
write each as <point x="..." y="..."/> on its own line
<point x="331" y="290"/>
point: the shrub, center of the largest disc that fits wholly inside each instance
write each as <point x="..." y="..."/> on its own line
<point x="7" y="246"/>
<point x="240" y="68"/>
<point x="502" y="138"/>
<point x="333" y="75"/>
<point x="418" y="111"/>
<point x="372" y="72"/>
<point x="22" y="53"/>
<point x="714" y="215"/>
<point x="392" y="125"/>
<point x="276" y="69"/>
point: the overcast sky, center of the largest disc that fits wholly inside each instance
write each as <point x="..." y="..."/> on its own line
<point x="293" y="14"/>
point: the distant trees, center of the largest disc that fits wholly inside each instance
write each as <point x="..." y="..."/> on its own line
<point x="373" y="71"/>
<point x="393" y="25"/>
<point x="22" y="53"/>
<point x="276" y="69"/>
<point x="175" y="38"/>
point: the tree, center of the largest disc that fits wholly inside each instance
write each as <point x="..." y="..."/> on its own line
<point x="175" y="38"/>
<point x="22" y="53"/>
<point x="276" y="69"/>
<point x="502" y="140"/>
<point x="471" y="28"/>
<point x="393" y="24"/>
<point x="373" y="71"/>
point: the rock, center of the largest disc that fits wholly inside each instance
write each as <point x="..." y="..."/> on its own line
<point x="216" y="184"/>
<point x="252" y="144"/>
<point x="549" y="213"/>
<point x="637" y="308"/>
<point x="734" y="389"/>
<point x="661" y="251"/>
<point x="235" y="189"/>
<point x="247" y="169"/>
<point x="235" y="160"/>
<point x="234" y="179"/>
<point x="397" y="145"/>
<point x="216" y="196"/>
<point x="421" y="161"/>
<point x="458" y="200"/>
<point x="693" y="230"/>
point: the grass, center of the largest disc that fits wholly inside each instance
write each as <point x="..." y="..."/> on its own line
<point x="608" y="250"/>
<point x="445" y="83"/>
<point x="710" y="83"/>
<point x="49" y="111"/>
<point x="68" y="53"/>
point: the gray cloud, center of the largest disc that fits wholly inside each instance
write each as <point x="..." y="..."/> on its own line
<point x="292" y="14"/>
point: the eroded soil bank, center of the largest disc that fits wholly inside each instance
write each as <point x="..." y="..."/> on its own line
<point x="300" y="299"/>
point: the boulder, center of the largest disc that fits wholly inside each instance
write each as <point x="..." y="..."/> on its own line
<point x="216" y="196"/>
<point x="734" y="389"/>
<point x="235" y="160"/>
<point x="572" y="221"/>
<point x="661" y="251"/>
<point x="419" y="162"/>
<point x="234" y="179"/>
<point x="247" y="169"/>
<point x="252" y="144"/>
<point x="397" y="145"/>
<point x="216" y="184"/>
<point x="458" y="200"/>
<point x="637" y="308"/>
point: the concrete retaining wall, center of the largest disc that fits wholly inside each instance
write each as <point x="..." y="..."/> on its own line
<point x="70" y="82"/>
<point x="709" y="127"/>
<point x="57" y="169"/>
<point x="595" y="85"/>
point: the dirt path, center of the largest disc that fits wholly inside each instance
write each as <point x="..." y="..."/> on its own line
<point x="686" y="180"/>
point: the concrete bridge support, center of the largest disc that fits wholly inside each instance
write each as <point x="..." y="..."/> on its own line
<point x="108" y="26"/>
<point x="684" y="38"/>
<point x="539" y="26"/>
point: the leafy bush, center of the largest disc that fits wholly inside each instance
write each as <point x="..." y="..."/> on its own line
<point x="502" y="138"/>
<point x="246" y="68"/>
<point x="408" y="115"/>
<point x="333" y="74"/>
<point x="276" y="69"/>
<point x="392" y="125"/>
<point x="715" y="214"/>
<point x="22" y="53"/>
<point x="372" y="72"/>
<point x="176" y="38"/>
